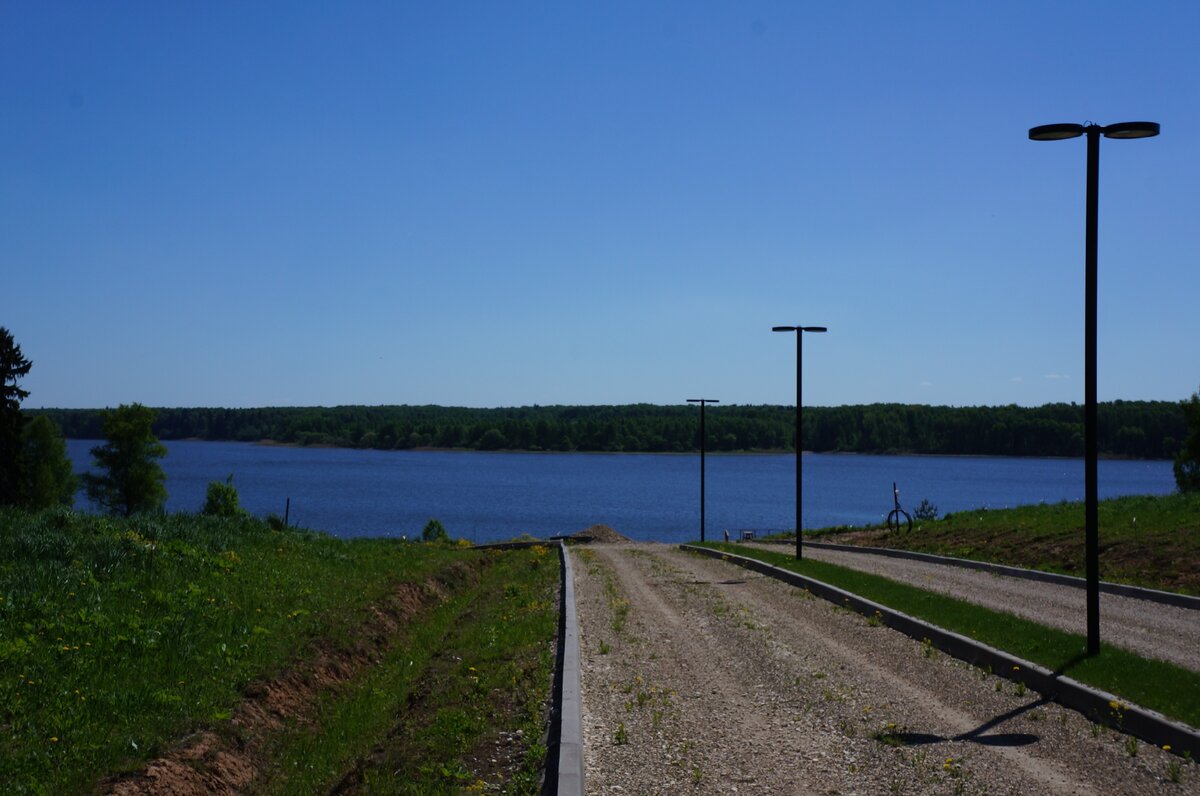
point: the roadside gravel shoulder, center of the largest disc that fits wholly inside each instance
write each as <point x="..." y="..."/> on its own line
<point x="701" y="677"/>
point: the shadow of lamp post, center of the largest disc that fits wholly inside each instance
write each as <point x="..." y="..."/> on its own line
<point x="703" y="439"/>
<point x="799" y="330"/>
<point x="1058" y="132"/>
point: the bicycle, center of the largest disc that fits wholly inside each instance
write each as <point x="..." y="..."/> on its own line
<point x="893" y="517"/>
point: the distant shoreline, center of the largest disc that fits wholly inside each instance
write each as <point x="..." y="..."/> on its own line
<point x="433" y="449"/>
<point x="1147" y="431"/>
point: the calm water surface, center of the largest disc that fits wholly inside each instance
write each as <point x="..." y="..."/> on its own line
<point x="489" y="496"/>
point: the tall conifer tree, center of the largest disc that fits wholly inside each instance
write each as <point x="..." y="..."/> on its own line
<point x="13" y="366"/>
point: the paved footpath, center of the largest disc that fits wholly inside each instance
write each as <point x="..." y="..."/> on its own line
<point x="1150" y="629"/>
<point x="699" y="677"/>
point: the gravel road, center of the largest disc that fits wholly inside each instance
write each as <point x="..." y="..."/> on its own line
<point x="700" y="677"/>
<point x="1149" y="629"/>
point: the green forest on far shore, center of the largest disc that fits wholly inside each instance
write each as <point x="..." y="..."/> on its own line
<point x="1129" y="429"/>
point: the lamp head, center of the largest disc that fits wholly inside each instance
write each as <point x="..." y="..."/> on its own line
<point x="1131" y="130"/>
<point x="813" y="329"/>
<point x="784" y="328"/>
<point x="1055" y="132"/>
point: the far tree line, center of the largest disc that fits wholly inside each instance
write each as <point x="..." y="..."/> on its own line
<point x="36" y="473"/>
<point x="1129" y="429"/>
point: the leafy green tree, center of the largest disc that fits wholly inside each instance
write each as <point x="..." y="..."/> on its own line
<point x="434" y="531"/>
<point x="132" y="480"/>
<point x="492" y="440"/>
<point x="1187" y="461"/>
<point x="13" y="365"/>
<point x="48" y="479"/>
<point x="221" y="500"/>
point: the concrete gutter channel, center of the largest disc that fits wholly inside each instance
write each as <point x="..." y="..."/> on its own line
<point x="568" y="757"/>
<point x="1146" y="724"/>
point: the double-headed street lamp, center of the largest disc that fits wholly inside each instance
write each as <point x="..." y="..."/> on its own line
<point x="1057" y="132"/>
<point x="703" y="437"/>
<point x="799" y="330"/>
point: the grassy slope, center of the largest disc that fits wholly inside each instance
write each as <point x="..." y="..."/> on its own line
<point x="118" y="636"/>
<point x="1144" y="540"/>
<point x="435" y="708"/>
<point x="1158" y="685"/>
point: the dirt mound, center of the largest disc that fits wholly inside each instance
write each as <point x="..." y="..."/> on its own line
<point x="599" y="533"/>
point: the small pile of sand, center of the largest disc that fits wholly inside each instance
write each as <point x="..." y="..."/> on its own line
<point x="598" y="533"/>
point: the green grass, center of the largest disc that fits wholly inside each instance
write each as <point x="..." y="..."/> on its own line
<point x="1147" y="540"/>
<point x="117" y="637"/>
<point x="1169" y="689"/>
<point x="479" y="664"/>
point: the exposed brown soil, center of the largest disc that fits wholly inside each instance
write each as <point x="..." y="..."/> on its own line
<point x="231" y="759"/>
<point x="599" y="533"/>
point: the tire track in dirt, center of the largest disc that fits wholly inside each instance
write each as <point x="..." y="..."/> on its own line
<point x="773" y="691"/>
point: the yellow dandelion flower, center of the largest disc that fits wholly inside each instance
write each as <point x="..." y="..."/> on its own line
<point x="53" y="739"/>
<point x="1166" y="747"/>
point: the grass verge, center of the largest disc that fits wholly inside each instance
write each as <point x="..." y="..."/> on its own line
<point x="118" y="637"/>
<point x="1158" y="685"/>
<point x="1145" y="540"/>
<point x="459" y="705"/>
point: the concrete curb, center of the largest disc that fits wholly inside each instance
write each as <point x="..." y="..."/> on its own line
<point x="1146" y="724"/>
<point x="569" y="755"/>
<point x="510" y="545"/>
<point x="1136" y="592"/>
<point x="564" y="740"/>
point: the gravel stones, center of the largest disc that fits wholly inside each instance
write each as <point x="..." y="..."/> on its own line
<point x="699" y="677"/>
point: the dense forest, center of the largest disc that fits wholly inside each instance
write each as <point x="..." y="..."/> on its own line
<point x="1135" y="429"/>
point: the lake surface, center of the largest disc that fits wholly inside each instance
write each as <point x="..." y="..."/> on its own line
<point x="491" y="496"/>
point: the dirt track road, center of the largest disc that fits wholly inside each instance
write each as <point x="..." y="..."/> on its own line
<point x="699" y="677"/>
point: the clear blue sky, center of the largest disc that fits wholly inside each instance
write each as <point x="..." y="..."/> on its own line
<point x="498" y="204"/>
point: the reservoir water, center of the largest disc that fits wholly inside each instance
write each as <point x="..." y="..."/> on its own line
<point x="491" y="496"/>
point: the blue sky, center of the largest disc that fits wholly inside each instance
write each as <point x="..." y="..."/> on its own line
<point x="498" y="204"/>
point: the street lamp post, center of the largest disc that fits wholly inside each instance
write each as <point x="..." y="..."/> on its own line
<point x="799" y="330"/>
<point x="1058" y="132"/>
<point x="703" y="438"/>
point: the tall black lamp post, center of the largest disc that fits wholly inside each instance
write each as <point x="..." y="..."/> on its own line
<point x="1057" y="132"/>
<point x="703" y="438"/>
<point x="799" y="330"/>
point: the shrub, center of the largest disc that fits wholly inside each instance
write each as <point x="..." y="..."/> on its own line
<point x="434" y="531"/>
<point x="1187" y="462"/>
<point x="926" y="511"/>
<point x="221" y="500"/>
